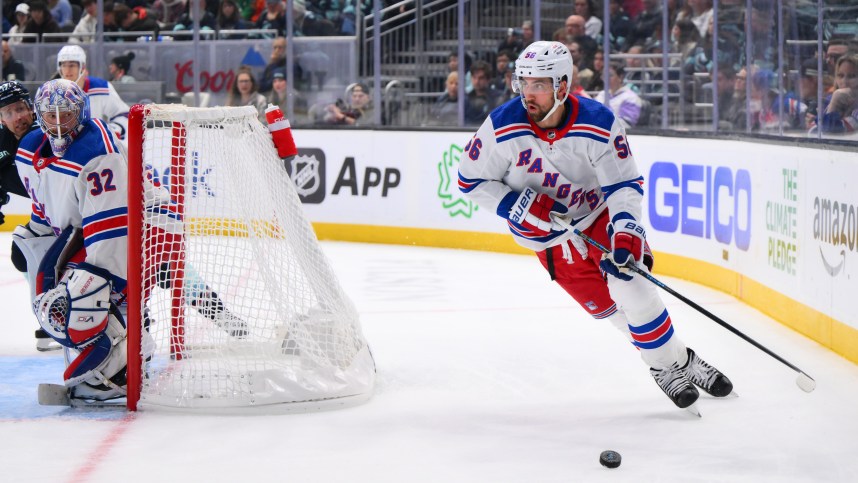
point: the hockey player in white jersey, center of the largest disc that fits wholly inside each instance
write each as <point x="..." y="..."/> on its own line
<point x="104" y="101"/>
<point x="548" y="154"/>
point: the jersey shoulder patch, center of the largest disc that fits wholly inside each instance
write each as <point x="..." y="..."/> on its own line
<point x="98" y="87"/>
<point x="28" y="146"/>
<point x="594" y="113"/>
<point x="94" y="140"/>
<point x="510" y="121"/>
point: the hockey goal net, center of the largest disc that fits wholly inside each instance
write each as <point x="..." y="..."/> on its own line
<point x="231" y="302"/>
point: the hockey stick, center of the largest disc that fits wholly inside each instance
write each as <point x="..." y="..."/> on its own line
<point x="804" y="382"/>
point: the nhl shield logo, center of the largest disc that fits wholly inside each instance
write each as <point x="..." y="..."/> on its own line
<point x="305" y="174"/>
<point x="552" y="134"/>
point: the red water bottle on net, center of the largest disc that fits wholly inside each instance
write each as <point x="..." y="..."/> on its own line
<point x="281" y="132"/>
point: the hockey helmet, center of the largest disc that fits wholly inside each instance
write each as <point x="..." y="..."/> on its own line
<point x="544" y="59"/>
<point x="59" y="96"/>
<point x="12" y="92"/>
<point x="71" y="53"/>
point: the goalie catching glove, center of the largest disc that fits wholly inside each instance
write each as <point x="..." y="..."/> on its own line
<point x="628" y="239"/>
<point x="75" y="312"/>
<point x="530" y="214"/>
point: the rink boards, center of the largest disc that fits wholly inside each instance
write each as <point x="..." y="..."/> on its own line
<point x="775" y="225"/>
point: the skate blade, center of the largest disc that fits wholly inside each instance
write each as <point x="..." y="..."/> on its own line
<point x="694" y="410"/>
<point x="49" y="348"/>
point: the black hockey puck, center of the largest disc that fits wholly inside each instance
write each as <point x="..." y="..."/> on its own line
<point x="610" y="459"/>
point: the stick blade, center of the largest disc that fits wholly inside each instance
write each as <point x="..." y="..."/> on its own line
<point x="805" y="382"/>
<point x="53" y="395"/>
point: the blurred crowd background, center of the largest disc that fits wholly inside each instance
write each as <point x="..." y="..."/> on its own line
<point x="774" y="67"/>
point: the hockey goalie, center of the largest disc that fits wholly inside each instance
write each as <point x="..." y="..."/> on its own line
<point x="75" y="245"/>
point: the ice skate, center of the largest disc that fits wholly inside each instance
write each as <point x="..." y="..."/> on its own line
<point x="675" y="383"/>
<point x="44" y="343"/>
<point x="707" y="377"/>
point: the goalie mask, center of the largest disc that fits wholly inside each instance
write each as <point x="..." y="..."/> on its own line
<point x="544" y="59"/>
<point x="62" y="109"/>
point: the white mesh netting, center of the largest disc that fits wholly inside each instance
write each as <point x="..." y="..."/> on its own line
<point x="242" y="306"/>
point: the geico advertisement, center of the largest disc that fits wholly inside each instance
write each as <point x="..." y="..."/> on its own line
<point x="406" y="179"/>
<point x="768" y="212"/>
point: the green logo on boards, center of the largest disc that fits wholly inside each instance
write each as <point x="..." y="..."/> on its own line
<point x="452" y="199"/>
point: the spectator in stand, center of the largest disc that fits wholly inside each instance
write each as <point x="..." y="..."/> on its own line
<point x="251" y="9"/>
<point x="507" y="94"/>
<point x="278" y="62"/>
<point x="592" y="23"/>
<point x="833" y="52"/>
<point x="583" y="64"/>
<point x="736" y="115"/>
<point x="41" y="22"/>
<point x="698" y="12"/>
<point x="807" y="84"/>
<point x="841" y="110"/>
<point x="137" y="19"/>
<point x="445" y="111"/>
<point x="13" y="69"/>
<point x="308" y="24"/>
<point x="245" y="92"/>
<point x="633" y="8"/>
<point x="513" y="41"/>
<point x="482" y="100"/>
<point x="765" y="113"/>
<point x="280" y="94"/>
<point x="621" y="26"/>
<point x="625" y="103"/>
<point x="119" y="67"/>
<point x="596" y="82"/>
<point x="357" y="113"/>
<point x="502" y="63"/>
<point x="646" y="22"/>
<point x="208" y="22"/>
<point x="229" y="18"/>
<point x="575" y="86"/>
<point x="727" y="99"/>
<point x="22" y="16"/>
<point x="527" y="33"/>
<point x="274" y="17"/>
<point x="168" y="12"/>
<point x="62" y="12"/>
<point x="453" y="66"/>
<point x="635" y="74"/>
<point x="350" y="15"/>
<point x="85" y="30"/>
<point x="684" y="38"/>
<point x="575" y="30"/>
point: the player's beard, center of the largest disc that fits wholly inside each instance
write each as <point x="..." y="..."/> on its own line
<point x="538" y="113"/>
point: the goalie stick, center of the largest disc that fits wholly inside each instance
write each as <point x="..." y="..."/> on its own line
<point x="59" y="395"/>
<point x="803" y="381"/>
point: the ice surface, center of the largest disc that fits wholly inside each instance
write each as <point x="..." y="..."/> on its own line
<point x="486" y="373"/>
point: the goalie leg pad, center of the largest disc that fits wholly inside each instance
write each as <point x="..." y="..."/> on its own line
<point x="102" y="362"/>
